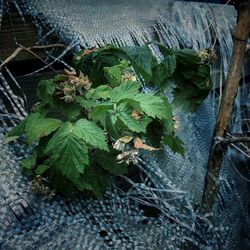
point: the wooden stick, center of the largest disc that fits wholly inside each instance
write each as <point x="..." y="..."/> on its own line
<point x="233" y="139"/>
<point x="225" y="110"/>
<point x="29" y="49"/>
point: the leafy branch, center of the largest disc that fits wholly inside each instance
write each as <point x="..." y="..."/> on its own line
<point x="92" y="123"/>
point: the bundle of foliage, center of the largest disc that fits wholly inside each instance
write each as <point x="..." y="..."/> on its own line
<point x="90" y="124"/>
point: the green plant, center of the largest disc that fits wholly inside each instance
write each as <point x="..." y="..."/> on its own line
<point x="91" y="124"/>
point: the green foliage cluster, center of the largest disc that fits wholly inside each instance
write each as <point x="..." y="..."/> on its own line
<point x="90" y="123"/>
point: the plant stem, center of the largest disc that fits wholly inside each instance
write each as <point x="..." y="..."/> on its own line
<point x="22" y="48"/>
<point x="225" y="110"/>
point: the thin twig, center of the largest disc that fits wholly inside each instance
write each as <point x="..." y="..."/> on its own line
<point x="29" y="49"/>
<point x="234" y="139"/>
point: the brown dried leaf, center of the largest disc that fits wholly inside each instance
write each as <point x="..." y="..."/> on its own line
<point x="126" y="139"/>
<point x="138" y="144"/>
<point x="70" y="73"/>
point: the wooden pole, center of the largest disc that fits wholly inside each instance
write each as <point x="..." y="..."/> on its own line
<point x="217" y="151"/>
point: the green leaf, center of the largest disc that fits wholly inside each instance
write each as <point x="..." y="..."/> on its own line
<point x="110" y="126"/>
<point x="155" y="132"/>
<point x="99" y="113"/>
<point x="8" y="139"/>
<point x="90" y="133"/>
<point x="18" y="130"/>
<point x="188" y="57"/>
<point x="84" y="103"/>
<point x="68" y="151"/>
<point x="45" y="90"/>
<point x="60" y="183"/>
<point x="94" y="63"/>
<point x="70" y="111"/>
<point x="94" y="179"/>
<point x="103" y="91"/>
<point x="60" y="78"/>
<point x="114" y="74"/>
<point x="41" y="169"/>
<point x="202" y="79"/>
<point x="192" y="87"/>
<point x="108" y="162"/>
<point x="133" y="124"/>
<point x="29" y="162"/>
<point x="154" y="106"/>
<point x="175" y="144"/>
<point x="37" y="127"/>
<point x="165" y="51"/>
<point x="141" y="58"/>
<point x="15" y="132"/>
<point x="169" y="124"/>
<point x="163" y="72"/>
<point x="125" y="90"/>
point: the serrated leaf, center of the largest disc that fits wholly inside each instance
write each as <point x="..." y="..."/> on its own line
<point x="163" y="71"/>
<point x="37" y="127"/>
<point x="108" y="162"/>
<point x="192" y="87"/>
<point x="45" y="90"/>
<point x="86" y="104"/>
<point x="93" y="63"/>
<point x="141" y="58"/>
<point x="154" y="106"/>
<point x="125" y="90"/>
<point x="188" y="56"/>
<point x="90" y="133"/>
<point x="41" y="169"/>
<point x="99" y="113"/>
<point x="103" y="91"/>
<point x="113" y="74"/>
<point x="155" y="132"/>
<point x="30" y="162"/>
<point x="165" y="51"/>
<point x="69" y="151"/>
<point x="70" y="110"/>
<point x="175" y="144"/>
<point x="94" y="179"/>
<point x="110" y="122"/>
<point x="60" y="183"/>
<point x="133" y="124"/>
<point x="60" y="78"/>
<point x="18" y="130"/>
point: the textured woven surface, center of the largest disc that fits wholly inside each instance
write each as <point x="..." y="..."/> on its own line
<point x="173" y="185"/>
<point x="31" y="222"/>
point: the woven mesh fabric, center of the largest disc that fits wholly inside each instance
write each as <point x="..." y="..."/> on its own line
<point x="173" y="185"/>
<point x="179" y="24"/>
<point x="116" y="221"/>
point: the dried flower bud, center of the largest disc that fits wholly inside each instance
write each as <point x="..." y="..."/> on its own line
<point x="119" y="145"/>
<point x="128" y="77"/>
<point x="68" y="98"/>
<point x="67" y="90"/>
